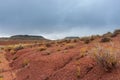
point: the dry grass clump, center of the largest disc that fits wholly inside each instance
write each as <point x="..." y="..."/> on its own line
<point x="42" y="48"/>
<point x="78" y="72"/>
<point x="13" y="48"/>
<point x="14" y="58"/>
<point x="1" y="77"/>
<point x="25" y="62"/>
<point x="13" y="51"/>
<point x="89" y="39"/>
<point x="69" y="46"/>
<point x="18" y="47"/>
<point x="8" y="48"/>
<point x="66" y="41"/>
<point x="83" y="51"/>
<point x="115" y="33"/>
<point x="108" y="34"/>
<point x="78" y="69"/>
<point x="106" y="57"/>
<point x="86" y="40"/>
<point x="46" y="53"/>
<point x="105" y="39"/>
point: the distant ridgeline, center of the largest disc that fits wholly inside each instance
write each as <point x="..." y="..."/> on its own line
<point x="27" y="37"/>
<point x="71" y="37"/>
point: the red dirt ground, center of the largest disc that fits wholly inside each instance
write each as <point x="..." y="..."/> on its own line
<point x="62" y="63"/>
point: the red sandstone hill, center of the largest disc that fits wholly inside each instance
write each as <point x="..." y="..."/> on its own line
<point x="69" y="59"/>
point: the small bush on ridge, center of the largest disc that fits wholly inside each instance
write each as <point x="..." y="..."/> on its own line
<point x="106" y="58"/>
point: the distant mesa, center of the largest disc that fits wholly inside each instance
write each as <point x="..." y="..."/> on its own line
<point x="72" y="37"/>
<point x="29" y="37"/>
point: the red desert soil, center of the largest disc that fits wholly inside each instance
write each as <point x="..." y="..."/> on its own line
<point x="60" y="64"/>
<point x="6" y="71"/>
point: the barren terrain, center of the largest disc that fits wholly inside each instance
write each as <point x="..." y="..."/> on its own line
<point x="56" y="60"/>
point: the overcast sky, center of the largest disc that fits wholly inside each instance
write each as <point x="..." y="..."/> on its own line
<point x="56" y="19"/>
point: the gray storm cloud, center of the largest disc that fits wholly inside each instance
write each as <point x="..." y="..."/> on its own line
<point x="58" y="18"/>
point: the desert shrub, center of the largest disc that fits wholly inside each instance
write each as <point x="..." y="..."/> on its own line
<point x="18" y="47"/>
<point x="92" y="38"/>
<point x="0" y="61"/>
<point x="13" y="52"/>
<point x="1" y="70"/>
<point x="105" y="39"/>
<point x="42" y="48"/>
<point x="70" y="46"/>
<point x="48" y="45"/>
<point x="8" y="48"/>
<point x="83" y="51"/>
<point x="13" y="48"/>
<point x="67" y="41"/>
<point x="86" y="40"/>
<point x="108" y="34"/>
<point x="58" y="49"/>
<point x="25" y="62"/>
<point x="106" y="58"/>
<point x="46" y="53"/>
<point x="14" y="58"/>
<point x="1" y="77"/>
<point x="74" y="40"/>
<point x="1" y="48"/>
<point x="78" y="73"/>
<point x="115" y="33"/>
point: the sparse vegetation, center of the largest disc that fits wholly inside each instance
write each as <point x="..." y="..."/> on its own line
<point x="12" y="49"/>
<point x="14" y="58"/>
<point x="70" y="46"/>
<point x="108" y="34"/>
<point x="1" y="77"/>
<point x="58" y="50"/>
<point x="78" y="73"/>
<point x="46" y="53"/>
<point x="107" y="58"/>
<point x="75" y="57"/>
<point x="42" y="48"/>
<point x="13" y="52"/>
<point x="8" y="48"/>
<point x="86" y="40"/>
<point x="0" y="61"/>
<point x="115" y="33"/>
<point x="18" y="47"/>
<point x="1" y="70"/>
<point x="83" y="51"/>
<point x="105" y="39"/>
<point x="48" y="45"/>
<point x="25" y="62"/>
